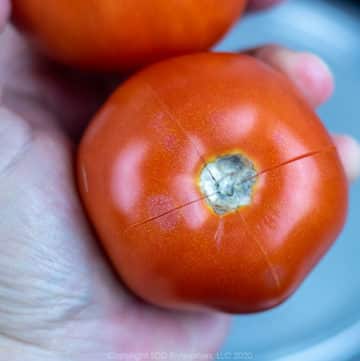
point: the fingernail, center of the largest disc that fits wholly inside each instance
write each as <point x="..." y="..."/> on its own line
<point x="312" y="75"/>
<point x="307" y="71"/>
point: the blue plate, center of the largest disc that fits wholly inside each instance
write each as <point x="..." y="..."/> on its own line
<point x="321" y="322"/>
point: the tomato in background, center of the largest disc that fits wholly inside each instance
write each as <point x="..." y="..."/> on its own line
<point x="121" y="35"/>
<point x="212" y="184"/>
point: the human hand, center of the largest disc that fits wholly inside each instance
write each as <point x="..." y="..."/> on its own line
<point x="59" y="298"/>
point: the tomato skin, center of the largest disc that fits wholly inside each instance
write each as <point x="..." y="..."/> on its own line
<point x="121" y="35"/>
<point x="138" y="167"/>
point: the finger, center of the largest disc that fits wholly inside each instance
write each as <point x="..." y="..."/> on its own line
<point x="255" y="5"/>
<point x="308" y="72"/>
<point x="4" y="12"/>
<point x="349" y="151"/>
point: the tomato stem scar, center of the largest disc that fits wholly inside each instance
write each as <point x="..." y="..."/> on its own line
<point x="228" y="182"/>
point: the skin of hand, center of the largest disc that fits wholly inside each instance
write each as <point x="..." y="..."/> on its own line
<point x="59" y="298"/>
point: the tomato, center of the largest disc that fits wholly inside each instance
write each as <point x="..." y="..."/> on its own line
<point x="113" y="35"/>
<point x="212" y="184"/>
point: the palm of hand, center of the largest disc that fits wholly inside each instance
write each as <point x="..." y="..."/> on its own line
<point x="59" y="298"/>
<point x="55" y="284"/>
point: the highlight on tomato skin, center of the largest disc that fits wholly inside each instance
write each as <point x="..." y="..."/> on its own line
<point x="123" y="35"/>
<point x="212" y="184"/>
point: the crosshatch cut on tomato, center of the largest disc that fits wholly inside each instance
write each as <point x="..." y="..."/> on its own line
<point x="122" y="35"/>
<point x="212" y="184"/>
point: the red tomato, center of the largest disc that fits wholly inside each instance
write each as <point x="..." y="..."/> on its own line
<point x="212" y="184"/>
<point x="123" y="34"/>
